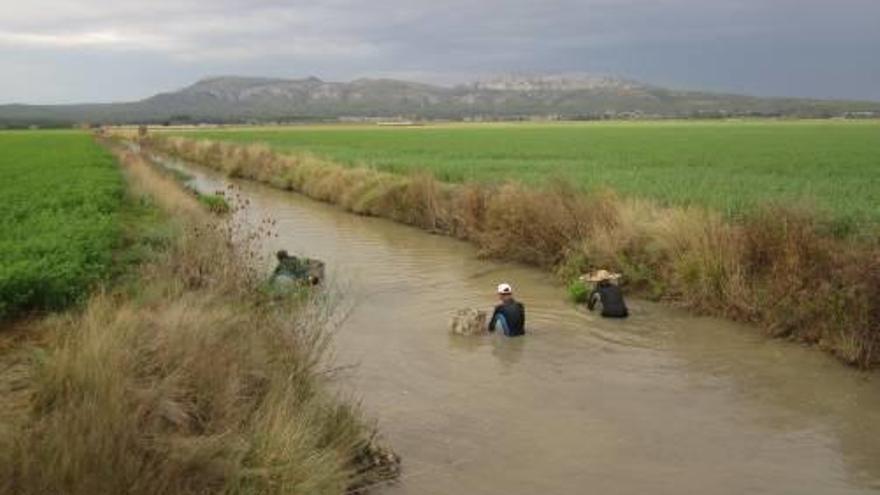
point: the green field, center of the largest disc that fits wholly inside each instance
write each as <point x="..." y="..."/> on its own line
<point x="59" y="202"/>
<point x="831" y="166"/>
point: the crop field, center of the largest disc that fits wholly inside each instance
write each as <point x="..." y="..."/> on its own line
<point x="59" y="202"/>
<point x="830" y="166"/>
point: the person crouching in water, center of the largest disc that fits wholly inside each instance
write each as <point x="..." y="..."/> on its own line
<point x="298" y="270"/>
<point x="510" y="315"/>
<point x="606" y="295"/>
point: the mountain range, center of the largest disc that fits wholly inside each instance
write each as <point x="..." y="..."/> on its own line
<point x="250" y="99"/>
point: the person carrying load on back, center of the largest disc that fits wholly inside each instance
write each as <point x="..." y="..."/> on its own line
<point x="606" y="295"/>
<point x="301" y="270"/>
<point x="509" y="315"/>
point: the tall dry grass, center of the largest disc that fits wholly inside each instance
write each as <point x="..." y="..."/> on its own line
<point x="193" y="383"/>
<point x="777" y="267"/>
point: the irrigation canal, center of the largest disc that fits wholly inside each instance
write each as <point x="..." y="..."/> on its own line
<point x="662" y="403"/>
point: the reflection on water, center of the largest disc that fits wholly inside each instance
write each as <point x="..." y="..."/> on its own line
<point x="662" y="402"/>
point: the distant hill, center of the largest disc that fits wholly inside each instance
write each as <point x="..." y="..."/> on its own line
<point x="241" y="99"/>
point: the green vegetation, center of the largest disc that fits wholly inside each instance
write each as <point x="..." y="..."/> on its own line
<point x="827" y="165"/>
<point x="215" y="203"/>
<point x="59" y="218"/>
<point x="578" y="291"/>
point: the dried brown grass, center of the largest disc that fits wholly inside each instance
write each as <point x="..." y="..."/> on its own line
<point x="776" y="268"/>
<point x="195" y="383"/>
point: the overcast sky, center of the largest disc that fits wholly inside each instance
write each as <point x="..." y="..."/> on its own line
<point x="60" y="51"/>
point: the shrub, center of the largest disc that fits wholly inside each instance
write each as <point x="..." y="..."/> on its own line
<point x="578" y="291"/>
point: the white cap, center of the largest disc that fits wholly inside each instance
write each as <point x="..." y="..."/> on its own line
<point x="505" y="289"/>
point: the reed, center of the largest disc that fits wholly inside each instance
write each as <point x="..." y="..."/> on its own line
<point x="777" y="267"/>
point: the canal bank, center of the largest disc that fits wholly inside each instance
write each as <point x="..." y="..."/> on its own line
<point x="180" y="375"/>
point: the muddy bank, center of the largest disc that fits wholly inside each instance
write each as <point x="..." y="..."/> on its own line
<point x="662" y="403"/>
<point x="778" y="268"/>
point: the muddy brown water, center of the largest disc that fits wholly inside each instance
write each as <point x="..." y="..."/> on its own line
<point x="661" y="403"/>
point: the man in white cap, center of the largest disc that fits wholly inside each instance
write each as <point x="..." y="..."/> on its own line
<point x="510" y="315"/>
<point x="606" y="295"/>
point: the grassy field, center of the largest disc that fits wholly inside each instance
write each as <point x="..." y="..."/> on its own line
<point x="833" y="167"/>
<point x="59" y="218"/>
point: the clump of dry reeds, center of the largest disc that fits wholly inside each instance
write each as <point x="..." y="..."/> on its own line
<point x="776" y="267"/>
<point x="195" y="383"/>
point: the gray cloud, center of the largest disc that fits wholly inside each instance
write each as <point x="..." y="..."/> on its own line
<point x="75" y="50"/>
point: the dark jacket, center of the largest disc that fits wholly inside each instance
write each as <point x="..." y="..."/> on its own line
<point x="611" y="299"/>
<point x="291" y="266"/>
<point x="514" y="315"/>
<point x="300" y="270"/>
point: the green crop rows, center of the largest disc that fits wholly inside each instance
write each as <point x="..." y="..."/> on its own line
<point x="59" y="202"/>
<point x="829" y="166"/>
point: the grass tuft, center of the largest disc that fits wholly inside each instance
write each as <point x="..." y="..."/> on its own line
<point x="216" y="203"/>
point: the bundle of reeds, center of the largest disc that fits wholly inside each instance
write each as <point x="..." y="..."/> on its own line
<point x="468" y="322"/>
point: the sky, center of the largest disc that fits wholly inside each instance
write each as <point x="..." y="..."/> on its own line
<point x="66" y="51"/>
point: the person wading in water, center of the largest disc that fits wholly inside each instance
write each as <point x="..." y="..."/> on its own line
<point x="299" y="270"/>
<point x="606" y="295"/>
<point x="510" y="315"/>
